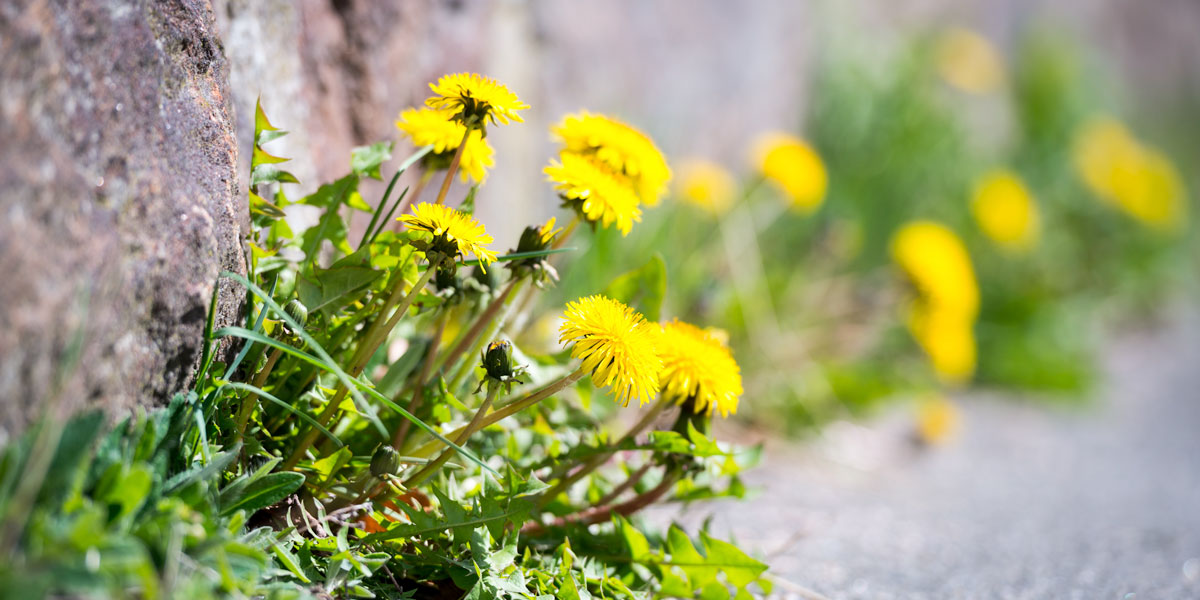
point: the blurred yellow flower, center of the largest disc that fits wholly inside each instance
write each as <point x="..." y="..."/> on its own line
<point x="697" y="366"/>
<point x="599" y="195"/>
<point x="707" y="185"/>
<point x="454" y="233"/>
<point x="969" y="62"/>
<point x="1005" y="211"/>
<point x="948" y="339"/>
<point x="941" y="319"/>
<point x="795" y="167"/>
<point x="474" y="99"/>
<point x="1134" y="177"/>
<point x="616" y="344"/>
<point x="622" y="148"/>
<point x="938" y="419"/>
<point x="937" y="263"/>
<point x="427" y="126"/>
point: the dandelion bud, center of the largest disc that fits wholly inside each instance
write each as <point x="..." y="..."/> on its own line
<point x="386" y="461"/>
<point x="497" y="359"/>
<point x="531" y="240"/>
<point x="297" y="311"/>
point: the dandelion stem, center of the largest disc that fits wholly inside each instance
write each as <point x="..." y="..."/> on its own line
<point x="509" y="409"/>
<point x="365" y="351"/>
<point x="466" y="434"/>
<point x="629" y="482"/>
<point x="599" y="514"/>
<point x="594" y="462"/>
<point x="249" y="401"/>
<point x="471" y="341"/>
<point x="453" y="167"/>
<point x="422" y="378"/>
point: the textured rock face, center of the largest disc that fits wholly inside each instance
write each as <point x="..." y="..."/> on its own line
<point x="119" y="202"/>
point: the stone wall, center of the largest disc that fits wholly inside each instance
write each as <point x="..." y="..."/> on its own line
<point x="119" y="201"/>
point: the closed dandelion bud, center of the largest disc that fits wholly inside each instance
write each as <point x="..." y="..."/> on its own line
<point x="531" y="240"/>
<point x="497" y="359"/>
<point x="386" y="461"/>
<point x="297" y="311"/>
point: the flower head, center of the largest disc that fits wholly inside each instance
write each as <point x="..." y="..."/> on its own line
<point x="938" y="419"/>
<point x="697" y="366"/>
<point x="1005" y="210"/>
<point x="969" y="62"/>
<point x="623" y="149"/>
<point x="948" y="339"/>
<point x="474" y="99"/>
<point x="941" y="319"/>
<point x="616" y="345"/>
<point x="438" y="128"/>
<point x="794" y="167"/>
<point x="1134" y="177"/>
<point x="937" y="263"/>
<point x="598" y="194"/>
<point x="454" y="233"/>
<point x="707" y="185"/>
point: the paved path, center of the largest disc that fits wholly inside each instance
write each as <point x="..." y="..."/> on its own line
<point x="1100" y="501"/>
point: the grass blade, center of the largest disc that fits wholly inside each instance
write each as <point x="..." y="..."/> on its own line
<point x="284" y="405"/>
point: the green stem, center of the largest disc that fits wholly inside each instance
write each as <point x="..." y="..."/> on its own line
<point x="249" y="401"/>
<point x="472" y="427"/>
<point x="594" y="463"/>
<point x="364" y="354"/>
<point x="509" y="409"/>
<point x="453" y="167"/>
<point x="493" y="324"/>
<point x="422" y="378"/>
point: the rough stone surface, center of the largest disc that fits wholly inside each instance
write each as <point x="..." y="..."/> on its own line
<point x="118" y="200"/>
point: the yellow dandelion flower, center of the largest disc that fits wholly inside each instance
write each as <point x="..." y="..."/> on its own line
<point x="1127" y="174"/>
<point x="947" y="338"/>
<point x="795" y="167"/>
<point x="1005" y="210"/>
<point x="474" y="99"/>
<point x="622" y="148"/>
<point x="696" y="365"/>
<point x="599" y="195"/>
<point x="547" y="231"/>
<point x="438" y="128"/>
<point x="707" y="185"/>
<point x="616" y="344"/>
<point x="937" y="263"/>
<point x="969" y="62"/>
<point x="938" y="419"/>
<point x="454" y="233"/>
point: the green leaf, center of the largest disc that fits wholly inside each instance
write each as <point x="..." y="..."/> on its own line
<point x="262" y="207"/>
<point x="365" y="160"/>
<point x="270" y="174"/>
<point x="356" y="387"/>
<point x="285" y="406"/>
<point x="684" y="555"/>
<point x="635" y="540"/>
<point x="643" y="288"/>
<point x="265" y="492"/>
<point x="262" y="157"/>
<point x="739" y="568"/>
<point x="203" y="472"/>
<point x="330" y="289"/>
<point x="261" y="123"/>
<point x="73" y="445"/>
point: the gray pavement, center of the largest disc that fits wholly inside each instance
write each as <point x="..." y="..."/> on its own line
<point x="1029" y="501"/>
